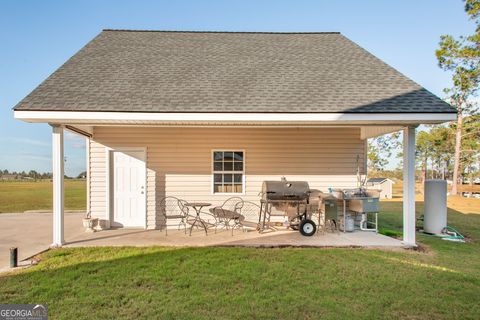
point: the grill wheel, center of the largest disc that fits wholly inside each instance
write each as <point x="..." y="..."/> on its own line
<point x="307" y="227"/>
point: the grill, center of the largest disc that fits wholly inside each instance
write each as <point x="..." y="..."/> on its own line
<point x="291" y="197"/>
<point x="285" y="190"/>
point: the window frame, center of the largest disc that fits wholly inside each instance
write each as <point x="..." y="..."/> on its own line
<point x="212" y="180"/>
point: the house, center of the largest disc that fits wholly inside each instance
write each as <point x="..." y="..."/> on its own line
<point x="207" y="115"/>
<point x="385" y="186"/>
<point x="8" y="176"/>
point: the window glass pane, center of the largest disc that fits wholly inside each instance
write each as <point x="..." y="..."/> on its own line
<point x="228" y="166"/>
<point x="217" y="166"/>
<point x="218" y="156"/>
<point x="228" y="156"/>
<point x="238" y="156"/>
<point x="227" y="178"/>
<point x="224" y="164"/>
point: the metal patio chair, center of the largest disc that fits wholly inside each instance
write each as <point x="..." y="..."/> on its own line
<point x="227" y="213"/>
<point x="172" y="208"/>
<point x="249" y="218"/>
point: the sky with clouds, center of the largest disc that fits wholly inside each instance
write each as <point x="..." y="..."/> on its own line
<point x="36" y="37"/>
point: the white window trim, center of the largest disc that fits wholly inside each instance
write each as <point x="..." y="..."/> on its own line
<point x="212" y="179"/>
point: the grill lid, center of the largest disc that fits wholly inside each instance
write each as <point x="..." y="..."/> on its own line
<point x="285" y="190"/>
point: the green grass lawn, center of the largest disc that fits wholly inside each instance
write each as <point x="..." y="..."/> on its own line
<point x="19" y="196"/>
<point x="441" y="281"/>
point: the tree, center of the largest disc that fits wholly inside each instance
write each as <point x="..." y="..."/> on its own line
<point x="443" y="149"/>
<point x="33" y="174"/>
<point x="461" y="57"/>
<point x="82" y="175"/>
<point x="470" y="156"/>
<point x="424" y="146"/>
<point x="380" y="150"/>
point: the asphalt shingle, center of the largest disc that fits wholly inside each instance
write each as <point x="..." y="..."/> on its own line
<point x="163" y="71"/>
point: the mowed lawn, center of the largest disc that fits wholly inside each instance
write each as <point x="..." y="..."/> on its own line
<point x="440" y="281"/>
<point x="20" y="196"/>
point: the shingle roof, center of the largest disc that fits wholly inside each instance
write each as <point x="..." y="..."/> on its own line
<point x="376" y="179"/>
<point x="163" y="71"/>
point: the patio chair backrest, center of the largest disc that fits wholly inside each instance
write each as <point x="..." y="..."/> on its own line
<point x="182" y="204"/>
<point x="233" y="204"/>
<point x="250" y="211"/>
<point x="170" y="206"/>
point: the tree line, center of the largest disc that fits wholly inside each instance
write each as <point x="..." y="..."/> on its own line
<point x="32" y="174"/>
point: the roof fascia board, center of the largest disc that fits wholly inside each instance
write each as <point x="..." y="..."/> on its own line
<point x="286" y="118"/>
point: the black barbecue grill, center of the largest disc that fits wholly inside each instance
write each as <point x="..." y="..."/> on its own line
<point x="290" y="197"/>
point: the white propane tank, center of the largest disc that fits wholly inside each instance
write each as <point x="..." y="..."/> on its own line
<point x="435" y="211"/>
<point x="349" y="223"/>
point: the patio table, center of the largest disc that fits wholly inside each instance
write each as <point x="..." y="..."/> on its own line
<point x="197" y="206"/>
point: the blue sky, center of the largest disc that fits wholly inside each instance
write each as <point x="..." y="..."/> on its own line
<point x="36" y="37"/>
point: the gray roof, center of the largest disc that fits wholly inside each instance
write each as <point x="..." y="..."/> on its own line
<point x="376" y="180"/>
<point x="168" y="71"/>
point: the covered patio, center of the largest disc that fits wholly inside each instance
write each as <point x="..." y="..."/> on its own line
<point x="132" y="236"/>
<point x="144" y="237"/>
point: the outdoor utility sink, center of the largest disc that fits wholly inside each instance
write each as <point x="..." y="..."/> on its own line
<point x="363" y="204"/>
<point x="360" y="200"/>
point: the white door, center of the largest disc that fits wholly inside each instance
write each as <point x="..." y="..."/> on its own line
<point x="129" y="188"/>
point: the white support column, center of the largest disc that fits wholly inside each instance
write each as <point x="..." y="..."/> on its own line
<point x="58" y="190"/>
<point x="87" y="178"/>
<point x="409" y="186"/>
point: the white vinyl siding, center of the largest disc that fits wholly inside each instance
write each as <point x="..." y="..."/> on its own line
<point x="179" y="160"/>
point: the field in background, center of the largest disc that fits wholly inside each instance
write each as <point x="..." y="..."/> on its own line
<point x="20" y="196"/>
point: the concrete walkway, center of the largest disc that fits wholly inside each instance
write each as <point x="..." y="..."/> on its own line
<point x="32" y="233"/>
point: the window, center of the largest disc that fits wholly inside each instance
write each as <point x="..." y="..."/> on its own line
<point x="228" y="171"/>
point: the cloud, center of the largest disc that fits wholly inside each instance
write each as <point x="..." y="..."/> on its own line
<point x="74" y="141"/>
<point x="78" y="145"/>
<point x="32" y="156"/>
<point x="29" y="141"/>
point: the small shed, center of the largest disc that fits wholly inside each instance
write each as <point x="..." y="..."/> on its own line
<point x="385" y="186"/>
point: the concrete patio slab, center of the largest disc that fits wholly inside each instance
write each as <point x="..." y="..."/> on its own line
<point x="279" y="238"/>
<point x="32" y="233"/>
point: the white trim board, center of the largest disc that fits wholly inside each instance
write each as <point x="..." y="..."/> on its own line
<point x="139" y="118"/>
